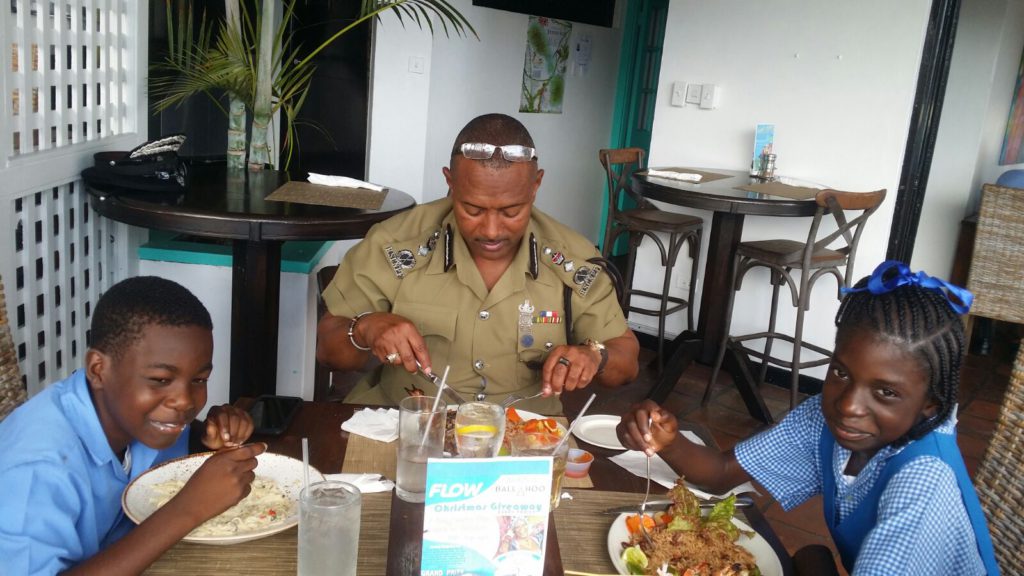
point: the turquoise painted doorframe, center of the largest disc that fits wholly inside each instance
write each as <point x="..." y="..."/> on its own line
<point x="636" y="90"/>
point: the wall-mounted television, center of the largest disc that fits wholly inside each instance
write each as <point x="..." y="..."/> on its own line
<point x="596" y="12"/>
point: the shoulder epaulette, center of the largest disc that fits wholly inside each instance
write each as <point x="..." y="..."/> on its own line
<point x="572" y="269"/>
<point x="406" y="255"/>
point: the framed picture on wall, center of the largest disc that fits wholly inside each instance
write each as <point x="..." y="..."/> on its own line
<point x="1013" y="141"/>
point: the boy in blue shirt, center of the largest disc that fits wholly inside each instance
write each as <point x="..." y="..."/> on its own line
<point x="70" y="451"/>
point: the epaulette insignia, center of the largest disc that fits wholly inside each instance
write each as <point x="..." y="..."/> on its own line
<point x="584" y="277"/>
<point x="400" y="260"/>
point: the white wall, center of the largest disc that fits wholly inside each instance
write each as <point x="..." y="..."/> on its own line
<point x="982" y="76"/>
<point x="1004" y="78"/>
<point x="837" y="79"/>
<point x="465" y="78"/>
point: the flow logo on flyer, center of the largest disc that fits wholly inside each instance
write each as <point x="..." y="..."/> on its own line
<point x="486" y="516"/>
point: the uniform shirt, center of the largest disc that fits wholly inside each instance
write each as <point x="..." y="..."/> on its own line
<point x="922" y="528"/>
<point x="417" y="265"/>
<point x="60" y="501"/>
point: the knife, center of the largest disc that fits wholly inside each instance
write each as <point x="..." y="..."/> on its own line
<point x="741" y="502"/>
<point x="450" y="394"/>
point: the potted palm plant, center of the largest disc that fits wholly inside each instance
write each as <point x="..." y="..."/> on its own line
<point x="261" y="67"/>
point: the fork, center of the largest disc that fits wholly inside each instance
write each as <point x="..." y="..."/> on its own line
<point x="647" y="495"/>
<point x="513" y="398"/>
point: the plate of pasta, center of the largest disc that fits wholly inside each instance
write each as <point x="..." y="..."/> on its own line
<point x="271" y="507"/>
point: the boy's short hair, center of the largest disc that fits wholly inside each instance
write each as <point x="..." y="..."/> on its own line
<point x="126" y="308"/>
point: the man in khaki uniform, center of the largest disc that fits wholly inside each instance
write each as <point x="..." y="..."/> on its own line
<point x="477" y="282"/>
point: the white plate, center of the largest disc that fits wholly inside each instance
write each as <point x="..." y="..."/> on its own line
<point x="763" y="553"/>
<point x="599" y="430"/>
<point x="137" y="499"/>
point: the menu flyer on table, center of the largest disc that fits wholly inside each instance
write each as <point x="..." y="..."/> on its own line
<point x="486" y="516"/>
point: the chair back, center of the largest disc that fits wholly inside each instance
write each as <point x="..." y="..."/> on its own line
<point x="1000" y="478"/>
<point x="12" y="388"/>
<point x="322" y="374"/>
<point x="619" y="165"/>
<point x="996" y="276"/>
<point x="846" y="237"/>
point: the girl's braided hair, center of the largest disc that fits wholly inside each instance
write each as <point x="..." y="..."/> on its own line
<point x="922" y="322"/>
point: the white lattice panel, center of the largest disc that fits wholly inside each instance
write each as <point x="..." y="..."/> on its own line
<point x="64" y="64"/>
<point x="70" y="85"/>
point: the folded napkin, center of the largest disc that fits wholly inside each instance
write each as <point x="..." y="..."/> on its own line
<point x="379" y="424"/>
<point x="344" y="181"/>
<point x="635" y="461"/>
<point x="673" y="175"/>
<point x="365" y="482"/>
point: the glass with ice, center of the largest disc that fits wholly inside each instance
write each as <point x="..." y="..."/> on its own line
<point x="420" y="436"/>
<point x="329" y="528"/>
<point x="545" y="444"/>
<point x="479" y="429"/>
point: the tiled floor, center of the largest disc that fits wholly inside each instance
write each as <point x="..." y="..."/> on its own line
<point x="983" y="381"/>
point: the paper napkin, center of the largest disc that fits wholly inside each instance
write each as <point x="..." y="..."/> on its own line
<point x="635" y="462"/>
<point x="673" y="175"/>
<point x="345" y="181"/>
<point x="365" y="482"/>
<point x="379" y="424"/>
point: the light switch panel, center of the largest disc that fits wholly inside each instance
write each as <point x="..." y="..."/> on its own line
<point x="693" y="93"/>
<point x="708" y="96"/>
<point x="678" y="89"/>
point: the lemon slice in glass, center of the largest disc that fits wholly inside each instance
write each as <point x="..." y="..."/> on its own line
<point x="477" y="429"/>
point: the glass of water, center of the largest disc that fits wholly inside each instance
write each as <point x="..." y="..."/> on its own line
<point x="479" y="429"/>
<point x="420" y="436"/>
<point x="329" y="529"/>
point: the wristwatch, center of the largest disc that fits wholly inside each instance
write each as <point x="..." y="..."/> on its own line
<point x="598" y="347"/>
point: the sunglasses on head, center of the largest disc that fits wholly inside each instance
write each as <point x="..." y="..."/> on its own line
<point x="510" y="152"/>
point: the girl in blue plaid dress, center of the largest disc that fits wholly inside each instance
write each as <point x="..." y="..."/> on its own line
<point x="878" y="443"/>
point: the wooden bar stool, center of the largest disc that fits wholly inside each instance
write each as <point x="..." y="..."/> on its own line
<point x="821" y="255"/>
<point x="647" y="220"/>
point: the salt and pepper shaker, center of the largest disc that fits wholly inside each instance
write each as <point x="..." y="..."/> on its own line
<point x="767" y="166"/>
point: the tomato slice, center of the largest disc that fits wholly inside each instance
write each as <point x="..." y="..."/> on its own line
<point x="513" y="416"/>
<point x="633" y="523"/>
<point x="541" y="426"/>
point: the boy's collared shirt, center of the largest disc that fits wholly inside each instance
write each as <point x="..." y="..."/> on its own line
<point x="922" y="526"/>
<point x="62" y="483"/>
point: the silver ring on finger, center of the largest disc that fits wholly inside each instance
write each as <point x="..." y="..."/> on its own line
<point x="393" y="358"/>
<point x="564" y="361"/>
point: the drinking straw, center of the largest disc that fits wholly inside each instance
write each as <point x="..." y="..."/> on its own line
<point x="437" y="400"/>
<point x="574" y="423"/>
<point x="305" y="462"/>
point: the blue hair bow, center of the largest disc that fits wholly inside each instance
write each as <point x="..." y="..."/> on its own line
<point x="960" y="299"/>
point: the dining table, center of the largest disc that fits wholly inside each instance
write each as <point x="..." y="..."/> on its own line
<point x="724" y="195"/>
<point x="390" y="537"/>
<point x="220" y="204"/>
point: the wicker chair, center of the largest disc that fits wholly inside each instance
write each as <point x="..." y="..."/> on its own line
<point x="1000" y="478"/>
<point x="647" y="220"/>
<point x="997" y="265"/>
<point x="12" y="389"/>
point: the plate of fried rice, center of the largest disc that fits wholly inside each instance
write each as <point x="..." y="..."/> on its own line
<point x="687" y="543"/>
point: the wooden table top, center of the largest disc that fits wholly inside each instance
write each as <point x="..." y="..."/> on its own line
<point x="576" y="540"/>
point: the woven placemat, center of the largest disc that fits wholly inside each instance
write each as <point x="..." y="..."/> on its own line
<point x="780" y="189"/>
<point x="704" y="175"/>
<point x="337" y="196"/>
<point x="366" y="456"/>
<point x="278" y="554"/>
